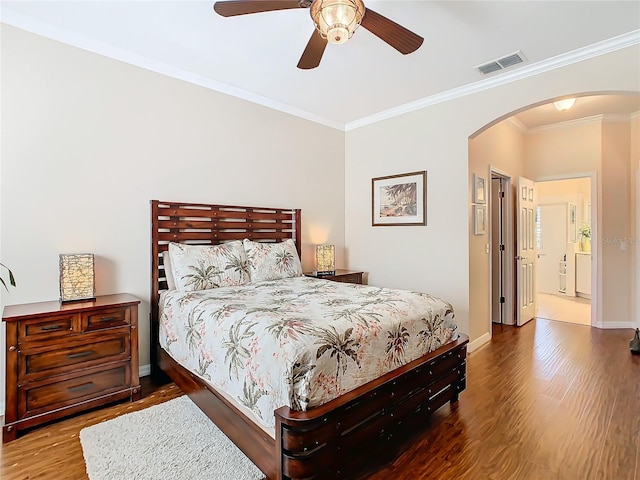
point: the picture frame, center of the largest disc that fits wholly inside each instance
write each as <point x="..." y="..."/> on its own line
<point x="479" y="219"/>
<point x="479" y="189"/>
<point x="399" y="200"/>
<point x="572" y="223"/>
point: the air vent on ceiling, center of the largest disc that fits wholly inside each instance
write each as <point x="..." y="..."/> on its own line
<point x="501" y="63"/>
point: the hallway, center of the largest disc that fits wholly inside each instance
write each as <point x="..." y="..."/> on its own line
<point x="564" y="309"/>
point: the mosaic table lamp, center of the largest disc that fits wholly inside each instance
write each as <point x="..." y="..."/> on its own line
<point x="325" y="259"/>
<point x="77" y="277"/>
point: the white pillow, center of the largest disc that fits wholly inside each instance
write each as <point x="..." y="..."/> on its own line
<point x="201" y="267"/>
<point x="272" y="261"/>
<point x="168" y="272"/>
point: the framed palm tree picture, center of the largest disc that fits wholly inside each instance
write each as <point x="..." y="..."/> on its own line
<point x="399" y="199"/>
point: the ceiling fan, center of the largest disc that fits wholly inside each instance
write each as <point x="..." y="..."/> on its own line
<point x="335" y="22"/>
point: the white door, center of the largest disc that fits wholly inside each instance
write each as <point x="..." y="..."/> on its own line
<point x="526" y="248"/>
<point x="552" y="248"/>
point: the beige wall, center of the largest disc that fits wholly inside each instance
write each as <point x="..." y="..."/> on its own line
<point x="634" y="246"/>
<point x="615" y="222"/>
<point x="564" y="149"/>
<point x="435" y="138"/>
<point x="602" y="146"/>
<point x="87" y="142"/>
<point x="576" y="191"/>
<point x="502" y="148"/>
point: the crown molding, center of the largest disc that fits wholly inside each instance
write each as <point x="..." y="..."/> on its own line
<point x="616" y="117"/>
<point x="522" y="128"/>
<point x="11" y="17"/>
<point x="607" y="117"/>
<point x="568" y="123"/>
<point x="15" y="19"/>
<point x="559" y="61"/>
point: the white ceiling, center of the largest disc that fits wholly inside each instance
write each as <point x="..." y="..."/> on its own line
<point x="255" y="56"/>
<point x="585" y="107"/>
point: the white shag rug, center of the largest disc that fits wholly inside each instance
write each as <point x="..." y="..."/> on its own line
<point x="170" y="441"/>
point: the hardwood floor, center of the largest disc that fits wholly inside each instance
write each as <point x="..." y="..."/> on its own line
<point x="53" y="452"/>
<point x="550" y="400"/>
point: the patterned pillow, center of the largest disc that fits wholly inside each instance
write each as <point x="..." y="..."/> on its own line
<point x="201" y="267"/>
<point x="271" y="261"/>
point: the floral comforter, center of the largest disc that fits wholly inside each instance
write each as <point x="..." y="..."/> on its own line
<point x="299" y="341"/>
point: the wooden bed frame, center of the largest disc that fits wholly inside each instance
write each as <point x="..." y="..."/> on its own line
<point x="341" y="439"/>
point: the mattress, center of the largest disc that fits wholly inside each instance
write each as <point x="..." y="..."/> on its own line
<point x="300" y="341"/>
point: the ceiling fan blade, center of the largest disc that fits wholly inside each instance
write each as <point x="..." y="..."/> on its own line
<point x="313" y="52"/>
<point x="244" y="7"/>
<point x="403" y="40"/>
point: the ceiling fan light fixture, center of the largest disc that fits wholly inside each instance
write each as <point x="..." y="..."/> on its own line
<point x="336" y="20"/>
<point x="564" y="105"/>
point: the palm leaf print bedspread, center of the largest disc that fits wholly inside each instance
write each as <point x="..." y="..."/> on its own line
<point x="299" y="341"/>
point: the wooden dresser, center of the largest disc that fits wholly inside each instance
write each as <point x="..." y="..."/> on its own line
<point x="66" y="358"/>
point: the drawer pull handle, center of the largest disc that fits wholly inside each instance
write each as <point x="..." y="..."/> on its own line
<point x="80" y="354"/>
<point x="108" y="319"/>
<point x="51" y="327"/>
<point x="80" y="387"/>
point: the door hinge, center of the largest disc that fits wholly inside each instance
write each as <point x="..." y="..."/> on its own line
<point x="502" y="248"/>
<point x="501" y="194"/>
<point x="502" y="300"/>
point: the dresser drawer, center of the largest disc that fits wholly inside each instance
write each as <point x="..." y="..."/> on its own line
<point x="107" y="318"/>
<point x="349" y="278"/>
<point x="42" y="398"/>
<point x="48" y="328"/>
<point x="40" y="363"/>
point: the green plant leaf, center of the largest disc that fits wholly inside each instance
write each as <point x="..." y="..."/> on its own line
<point x="12" y="280"/>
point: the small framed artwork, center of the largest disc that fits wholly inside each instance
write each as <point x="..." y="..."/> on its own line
<point x="399" y="199"/>
<point x="479" y="189"/>
<point x="572" y="223"/>
<point x="479" y="219"/>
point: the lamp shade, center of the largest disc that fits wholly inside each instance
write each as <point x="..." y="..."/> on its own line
<point x="564" y="105"/>
<point x="336" y="20"/>
<point x="77" y="277"/>
<point x="325" y="259"/>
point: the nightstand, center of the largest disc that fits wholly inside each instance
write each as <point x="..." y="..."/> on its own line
<point x="67" y="358"/>
<point x="345" y="276"/>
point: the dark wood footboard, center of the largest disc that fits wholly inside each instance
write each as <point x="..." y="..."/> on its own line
<point x="345" y="436"/>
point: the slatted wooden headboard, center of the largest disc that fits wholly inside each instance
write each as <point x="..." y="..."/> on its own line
<point x="202" y="224"/>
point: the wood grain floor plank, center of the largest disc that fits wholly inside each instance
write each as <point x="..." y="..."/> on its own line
<point x="53" y="452"/>
<point x="547" y="401"/>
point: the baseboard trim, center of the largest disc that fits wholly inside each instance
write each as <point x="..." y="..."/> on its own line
<point x="612" y="325"/>
<point x="478" y="342"/>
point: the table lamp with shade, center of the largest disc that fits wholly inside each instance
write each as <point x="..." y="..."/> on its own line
<point x="325" y="259"/>
<point x="77" y="277"/>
